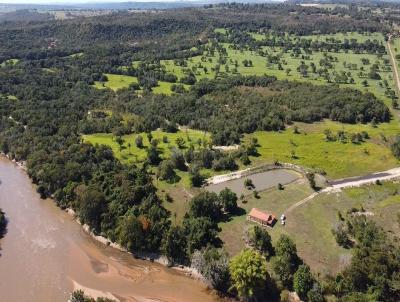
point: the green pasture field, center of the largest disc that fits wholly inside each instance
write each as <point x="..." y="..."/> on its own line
<point x="116" y="82"/>
<point x="337" y="159"/>
<point x="134" y="154"/>
<point x="396" y="51"/>
<point x="260" y="66"/>
<point x="204" y="66"/>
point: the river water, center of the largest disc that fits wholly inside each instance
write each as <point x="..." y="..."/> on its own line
<point x="46" y="254"/>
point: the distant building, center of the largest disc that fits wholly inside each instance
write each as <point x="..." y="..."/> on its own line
<point x="261" y="217"/>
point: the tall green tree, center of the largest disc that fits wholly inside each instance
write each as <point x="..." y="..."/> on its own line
<point x="92" y="205"/>
<point x="303" y="281"/>
<point x="206" y="204"/>
<point x="228" y="200"/>
<point x="260" y="240"/>
<point x="213" y="264"/>
<point x="286" y="261"/>
<point x="249" y="273"/>
<point x="174" y="245"/>
<point x="130" y="233"/>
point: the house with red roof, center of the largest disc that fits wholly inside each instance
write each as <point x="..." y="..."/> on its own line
<point x="258" y="216"/>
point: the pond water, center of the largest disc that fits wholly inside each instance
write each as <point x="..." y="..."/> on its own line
<point x="46" y="254"/>
<point x="261" y="181"/>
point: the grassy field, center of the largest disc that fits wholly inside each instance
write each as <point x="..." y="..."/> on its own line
<point x="134" y="154"/>
<point x="116" y="82"/>
<point x="337" y="159"/>
<point x="205" y="66"/>
<point x="311" y="224"/>
<point x="396" y="49"/>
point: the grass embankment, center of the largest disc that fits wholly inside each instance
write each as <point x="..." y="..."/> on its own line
<point x="311" y="224"/>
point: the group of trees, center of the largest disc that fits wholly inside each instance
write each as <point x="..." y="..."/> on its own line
<point x="80" y="296"/>
<point x="227" y="112"/>
<point x="373" y="274"/>
<point x="199" y="227"/>
<point x="247" y="274"/>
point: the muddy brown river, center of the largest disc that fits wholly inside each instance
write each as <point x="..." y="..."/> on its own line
<point x="46" y="254"/>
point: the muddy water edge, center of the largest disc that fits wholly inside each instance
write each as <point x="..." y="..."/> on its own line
<point x="46" y="254"/>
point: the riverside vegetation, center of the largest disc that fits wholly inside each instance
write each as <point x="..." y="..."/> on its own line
<point x="116" y="125"/>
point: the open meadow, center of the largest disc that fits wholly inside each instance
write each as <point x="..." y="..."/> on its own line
<point x="128" y="152"/>
<point x="338" y="159"/>
<point x="344" y="66"/>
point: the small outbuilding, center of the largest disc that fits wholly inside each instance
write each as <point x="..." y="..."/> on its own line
<point x="261" y="217"/>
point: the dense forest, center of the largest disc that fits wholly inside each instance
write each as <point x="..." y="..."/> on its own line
<point x="45" y="112"/>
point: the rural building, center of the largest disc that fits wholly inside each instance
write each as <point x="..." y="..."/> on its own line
<point x="261" y="217"/>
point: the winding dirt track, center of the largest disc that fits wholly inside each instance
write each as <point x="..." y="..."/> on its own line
<point x="357" y="181"/>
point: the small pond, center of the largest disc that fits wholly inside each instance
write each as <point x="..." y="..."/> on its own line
<point x="261" y="181"/>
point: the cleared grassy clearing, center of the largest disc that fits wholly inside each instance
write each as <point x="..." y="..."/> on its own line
<point x="76" y="55"/>
<point x="9" y="62"/>
<point x="116" y="82"/>
<point x="165" y="88"/>
<point x="311" y="224"/>
<point x="337" y="159"/>
<point x="135" y="154"/>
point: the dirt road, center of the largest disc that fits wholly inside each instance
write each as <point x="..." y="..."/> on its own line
<point x="394" y="64"/>
<point x="357" y="181"/>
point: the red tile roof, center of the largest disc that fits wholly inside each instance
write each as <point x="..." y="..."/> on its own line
<point x="258" y="214"/>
